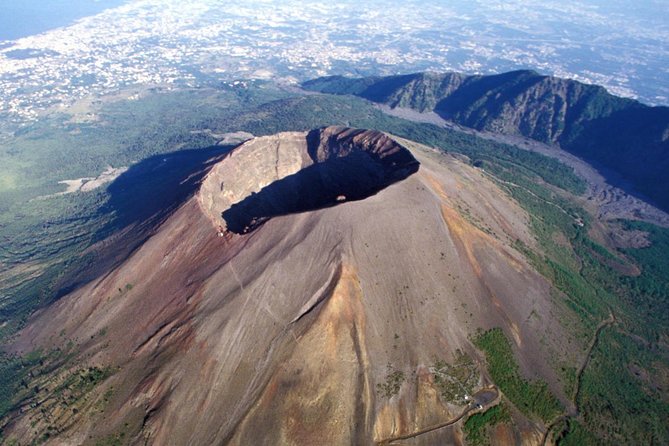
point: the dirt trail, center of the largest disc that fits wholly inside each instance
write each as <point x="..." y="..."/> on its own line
<point x="471" y="407"/>
<point x="603" y="324"/>
<point x="579" y="374"/>
<point x="508" y="183"/>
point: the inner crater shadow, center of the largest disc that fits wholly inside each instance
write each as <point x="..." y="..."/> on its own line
<point x="335" y="180"/>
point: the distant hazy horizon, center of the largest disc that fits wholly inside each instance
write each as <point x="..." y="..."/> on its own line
<point x="99" y="47"/>
<point x="22" y="18"/>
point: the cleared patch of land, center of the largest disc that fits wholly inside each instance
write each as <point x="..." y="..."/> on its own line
<point x="87" y="184"/>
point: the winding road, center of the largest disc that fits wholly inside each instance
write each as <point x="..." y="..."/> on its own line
<point x="481" y="401"/>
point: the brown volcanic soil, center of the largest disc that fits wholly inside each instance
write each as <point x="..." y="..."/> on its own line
<point x="280" y="335"/>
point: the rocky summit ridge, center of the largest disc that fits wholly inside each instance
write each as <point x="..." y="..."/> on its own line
<point x="301" y="171"/>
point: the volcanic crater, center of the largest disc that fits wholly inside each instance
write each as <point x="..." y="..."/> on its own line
<point x="298" y="172"/>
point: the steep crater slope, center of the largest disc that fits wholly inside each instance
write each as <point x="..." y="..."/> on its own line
<point x="297" y="172"/>
<point x="341" y="325"/>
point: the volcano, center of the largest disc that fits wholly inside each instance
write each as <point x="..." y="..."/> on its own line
<point x="320" y="287"/>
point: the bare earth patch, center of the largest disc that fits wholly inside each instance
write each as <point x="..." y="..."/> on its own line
<point x="87" y="184"/>
<point x="225" y="139"/>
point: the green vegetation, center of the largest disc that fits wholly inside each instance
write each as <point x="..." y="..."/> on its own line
<point x="616" y="406"/>
<point x="392" y="384"/>
<point x="627" y="406"/>
<point x="650" y="290"/>
<point x="476" y="426"/>
<point x="43" y="234"/>
<point x="54" y="397"/>
<point x="531" y="397"/>
<point x="568" y="374"/>
<point x="84" y="380"/>
<point x="456" y="380"/>
<point x="575" y="435"/>
<point x="112" y="440"/>
<point x="9" y="441"/>
<point x="14" y="371"/>
<point x="39" y="382"/>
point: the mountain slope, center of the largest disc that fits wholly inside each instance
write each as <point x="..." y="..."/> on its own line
<point x="337" y="323"/>
<point x="623" y="135"/>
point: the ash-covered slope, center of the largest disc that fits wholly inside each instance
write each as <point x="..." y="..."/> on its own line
<point x="327" y="324"/>
<point x="621" y="134"/>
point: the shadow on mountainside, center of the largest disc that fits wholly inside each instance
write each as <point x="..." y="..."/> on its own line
<point x="355" y="176"/>
<point x="155" y="186"/>
<point x="139" y="200"/>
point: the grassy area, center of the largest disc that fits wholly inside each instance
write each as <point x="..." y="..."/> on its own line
<point x="617" y="406"/>
<point x="84" y="380"/>
<point x="532" y="397"/>
<point x="52" y="395"/>
<point x="561" y="230"/>
<point x="476" y="426"/>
